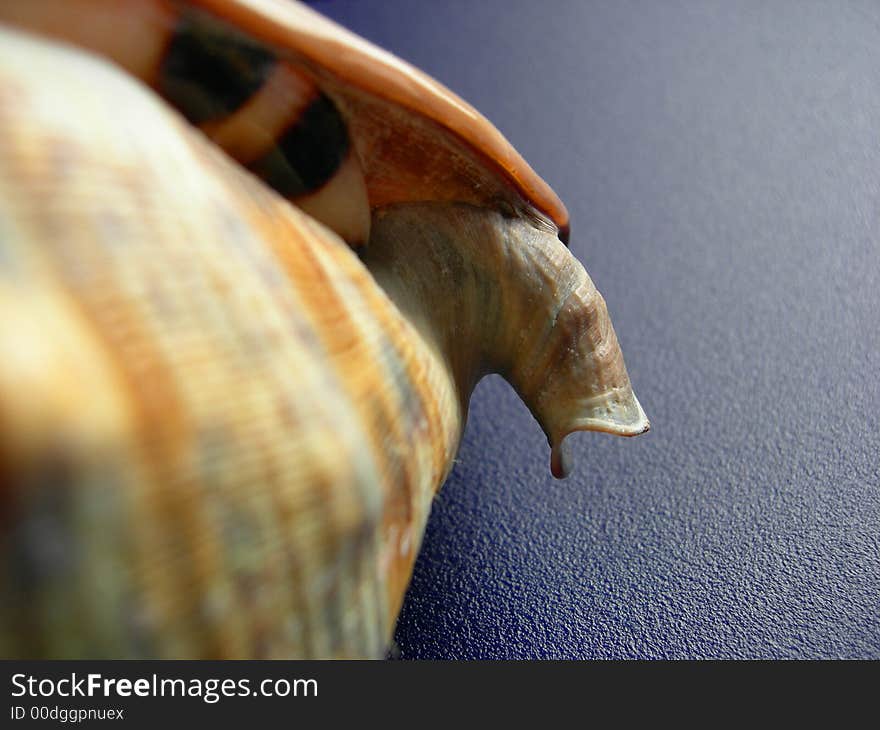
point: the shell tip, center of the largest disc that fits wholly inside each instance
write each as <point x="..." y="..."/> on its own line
<point x="561" y="460"/>
<point x="629" y="420"/>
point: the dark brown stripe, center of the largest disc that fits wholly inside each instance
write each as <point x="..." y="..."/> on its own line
<point x="309" y="153"/>
<point x="210" y="69"/>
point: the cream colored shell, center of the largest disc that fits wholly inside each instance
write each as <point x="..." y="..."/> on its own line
<point x="220" y="430"/>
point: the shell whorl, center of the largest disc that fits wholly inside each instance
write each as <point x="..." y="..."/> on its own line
<point x="220" y="429"/>
<point x="219" y="436"/>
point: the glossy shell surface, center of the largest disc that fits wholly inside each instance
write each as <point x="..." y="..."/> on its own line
<point x="221" y="429"/>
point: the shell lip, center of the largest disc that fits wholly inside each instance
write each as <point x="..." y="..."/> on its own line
<point x="356" y="61"/>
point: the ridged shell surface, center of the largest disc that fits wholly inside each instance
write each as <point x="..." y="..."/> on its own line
<point x="220" y="428"/>
<point x="220" y="438"/>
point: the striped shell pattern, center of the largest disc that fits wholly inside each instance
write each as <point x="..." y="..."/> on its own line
<point x="251" y="268"/>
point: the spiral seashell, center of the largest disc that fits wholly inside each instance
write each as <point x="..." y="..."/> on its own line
<point x="251" y="269"/>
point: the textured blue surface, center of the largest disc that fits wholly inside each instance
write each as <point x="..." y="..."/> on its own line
<point x="721" y="162"/>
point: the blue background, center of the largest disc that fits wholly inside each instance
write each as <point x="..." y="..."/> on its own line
<point x="721" y="162"/>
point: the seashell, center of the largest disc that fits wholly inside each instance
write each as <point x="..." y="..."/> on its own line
<point x="221" y="427"/>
